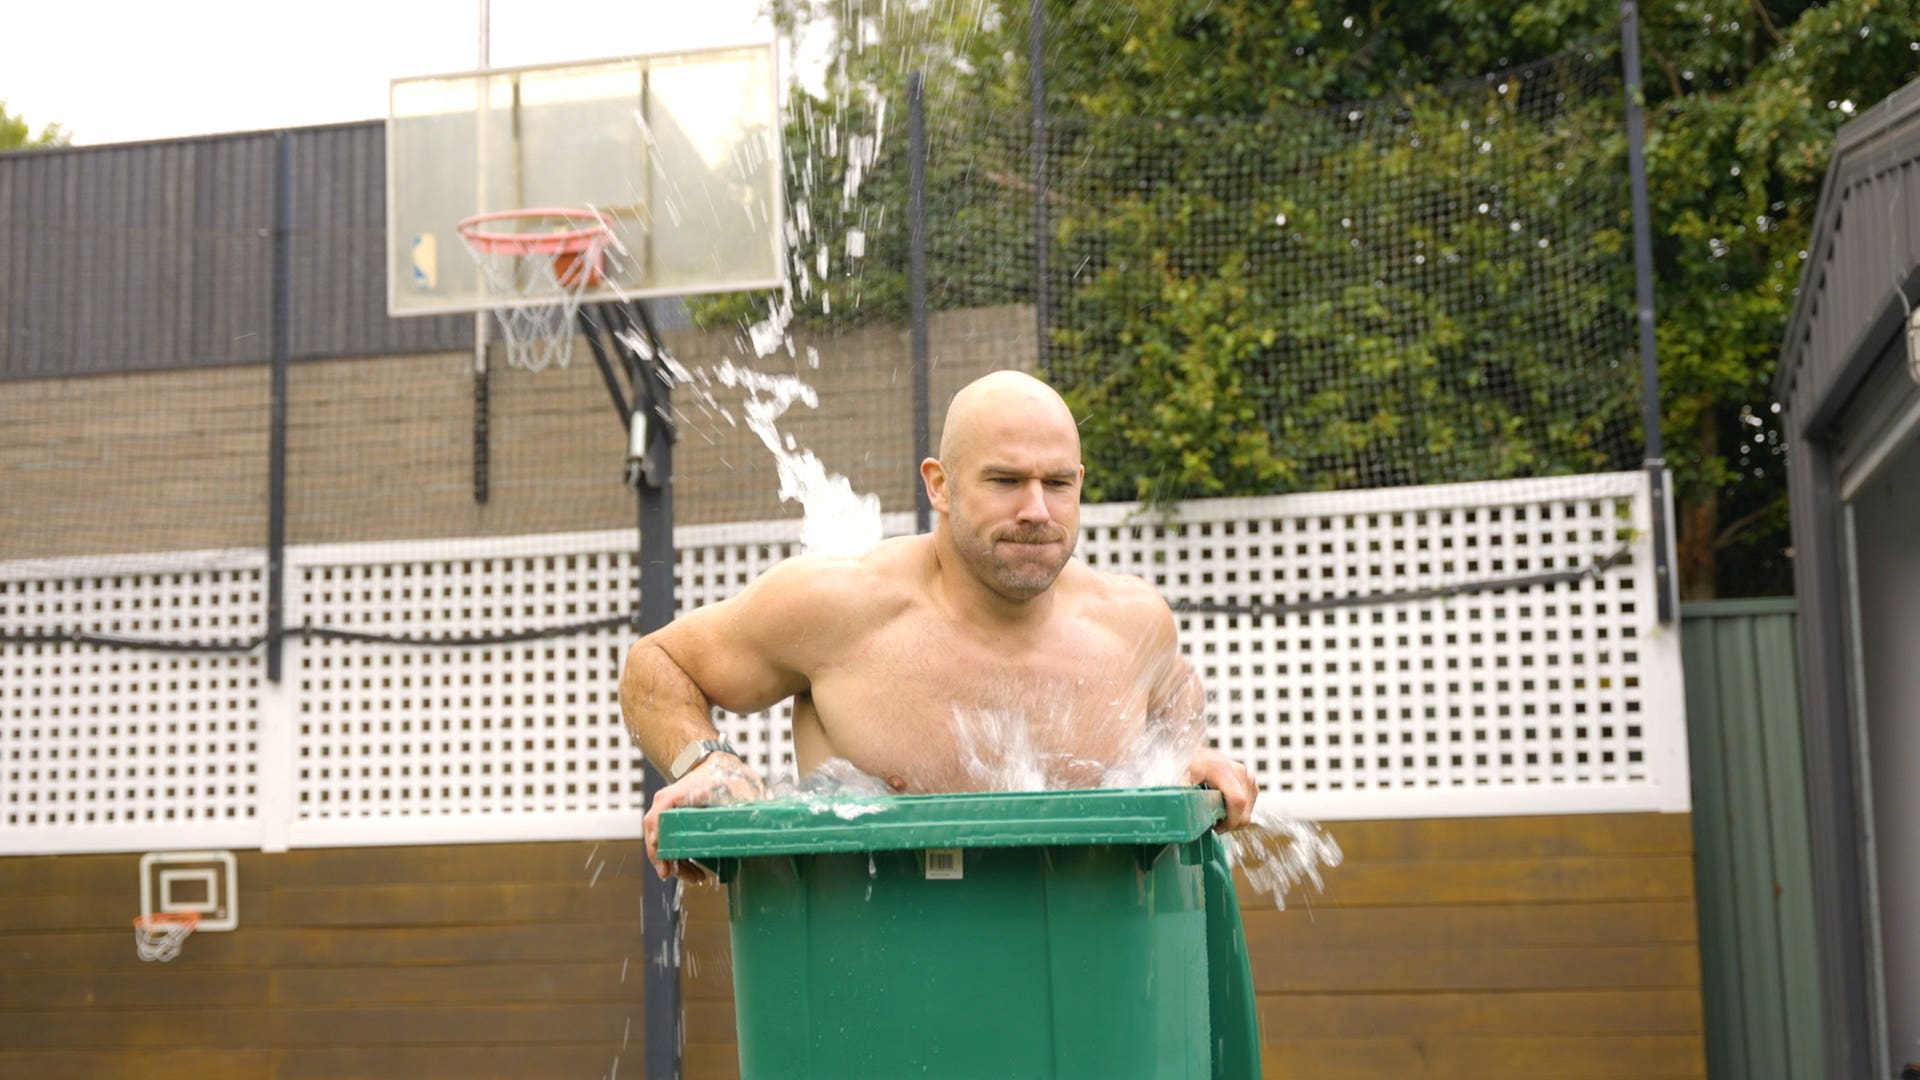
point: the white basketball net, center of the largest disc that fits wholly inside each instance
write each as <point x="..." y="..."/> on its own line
<point x="159" y="937"/>
<point x="536" y="296"/>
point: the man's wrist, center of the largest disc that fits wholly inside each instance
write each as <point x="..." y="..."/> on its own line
<point x="695" y="752"/>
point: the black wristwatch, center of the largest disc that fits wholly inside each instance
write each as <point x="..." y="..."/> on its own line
<point x="696" y="752"/>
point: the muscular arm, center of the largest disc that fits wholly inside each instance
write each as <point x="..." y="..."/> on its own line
<point x="1177" y="704"/>
<point x="664" y="708"/>
<point x="742" y="654"/>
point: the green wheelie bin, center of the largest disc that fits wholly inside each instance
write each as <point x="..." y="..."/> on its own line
<point x="1052" y="934"/>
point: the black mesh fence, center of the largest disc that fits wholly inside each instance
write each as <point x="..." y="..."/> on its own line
<point x="1428" y="288"/>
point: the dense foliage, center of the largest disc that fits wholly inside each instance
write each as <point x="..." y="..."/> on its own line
<point x="1742" y="97"/>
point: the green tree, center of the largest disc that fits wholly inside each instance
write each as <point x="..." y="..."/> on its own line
<point x="1175" y="282"/>
<point x="15" y="134"/>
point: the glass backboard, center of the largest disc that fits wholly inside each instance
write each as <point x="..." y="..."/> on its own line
<point x="679" y="153"/>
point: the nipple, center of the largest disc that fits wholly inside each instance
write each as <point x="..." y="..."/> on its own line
<point x="898" y="784"/>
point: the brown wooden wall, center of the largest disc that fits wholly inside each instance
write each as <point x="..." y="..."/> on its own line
<point x="1486" y="948"/>
<point x="469" y="961"/>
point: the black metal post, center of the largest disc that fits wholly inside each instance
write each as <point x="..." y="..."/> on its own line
<point x="651" y="429"/>
<point x="1656" y="464"/>
<point x="482" y="410"/>
<point x="1037" y="89"/>
<point x="591" y="330"/>
<point x="277" y="436"/>
<point x="917" y="284"/>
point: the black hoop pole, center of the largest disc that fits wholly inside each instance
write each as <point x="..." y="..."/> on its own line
<point x="591" y="329"/>
<point x="652" y="479"/>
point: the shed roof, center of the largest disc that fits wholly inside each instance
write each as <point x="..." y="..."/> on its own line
<point x="1860" y="279"/>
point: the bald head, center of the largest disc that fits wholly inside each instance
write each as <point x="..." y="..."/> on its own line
<point x="985" y="408"/>
<point x="1007" y="486"/>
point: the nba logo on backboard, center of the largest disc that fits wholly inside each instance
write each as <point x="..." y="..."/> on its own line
<point x="426" y="261"/>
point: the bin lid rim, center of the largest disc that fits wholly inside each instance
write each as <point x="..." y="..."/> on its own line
<point x="801" y="826"/>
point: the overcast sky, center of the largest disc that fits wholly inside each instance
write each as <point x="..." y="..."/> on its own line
<point x="118" y="70"/>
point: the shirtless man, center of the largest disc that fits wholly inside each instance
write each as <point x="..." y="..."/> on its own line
<point x="890" y="654"/>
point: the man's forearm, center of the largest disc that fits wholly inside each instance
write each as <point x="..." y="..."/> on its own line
<point x="664" y="709"/>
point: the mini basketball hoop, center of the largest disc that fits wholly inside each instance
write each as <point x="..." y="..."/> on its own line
<point x="158" y="934"/>
<point x="536" y="278"/>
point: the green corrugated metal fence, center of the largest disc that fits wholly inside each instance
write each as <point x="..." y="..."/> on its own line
<point x="1752" y="865"/>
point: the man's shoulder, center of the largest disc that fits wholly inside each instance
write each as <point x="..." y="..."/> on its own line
<point x="1119" y="596"/>
<point x="885" y="575"/>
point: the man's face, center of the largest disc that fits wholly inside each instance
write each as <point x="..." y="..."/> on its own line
<point x="1014" y="505"/>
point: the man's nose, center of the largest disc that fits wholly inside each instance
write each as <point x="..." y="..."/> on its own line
<point x="1033" y="502"/>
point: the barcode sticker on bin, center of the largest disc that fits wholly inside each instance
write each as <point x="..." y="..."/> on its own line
<point x="943" y="864"/>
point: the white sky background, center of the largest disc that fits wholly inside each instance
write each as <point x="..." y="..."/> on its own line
<point x="120" y="70"/>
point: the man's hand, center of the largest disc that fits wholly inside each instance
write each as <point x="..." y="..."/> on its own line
<point x="1231" y="779"/>
<point x="717" y="781"/>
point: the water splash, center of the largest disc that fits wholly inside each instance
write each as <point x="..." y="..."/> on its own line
<point x="1278" y="853"/>
<point x="836" y="519"/>
<point x="999" y="751"/>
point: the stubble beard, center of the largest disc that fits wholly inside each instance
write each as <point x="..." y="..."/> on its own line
<point x="1022" y="580"/>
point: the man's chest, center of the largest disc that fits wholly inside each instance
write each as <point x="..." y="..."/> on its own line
<point x="955" y="711"/>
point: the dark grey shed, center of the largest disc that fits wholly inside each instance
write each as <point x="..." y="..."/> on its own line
<point x="1849" y="379"/>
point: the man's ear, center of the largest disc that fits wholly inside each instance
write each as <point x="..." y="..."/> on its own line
<point x="934" y="476"/>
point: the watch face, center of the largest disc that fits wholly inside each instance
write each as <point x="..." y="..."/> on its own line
<point x="695" y="753"/>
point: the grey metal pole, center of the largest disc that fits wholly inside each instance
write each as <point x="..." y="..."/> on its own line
<point x="277" y="437"/>
<point x="917" y="279"/>
<point x="1655" y="462"/>
<point x="1037" y="89"/>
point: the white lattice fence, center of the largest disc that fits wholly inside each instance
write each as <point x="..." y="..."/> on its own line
<point x="1561" y="697"/>
<point x="117" y="749"/>
<point x="405" y="744"/>
<point x="1556" y="697"/>
<point x="397" y="744"/>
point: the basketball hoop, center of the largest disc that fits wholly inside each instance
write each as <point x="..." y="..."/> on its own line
<point x="536" y="279"/>
<point x="158" y="935"/>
